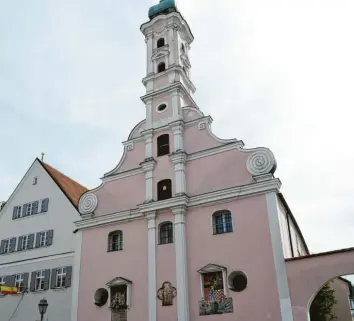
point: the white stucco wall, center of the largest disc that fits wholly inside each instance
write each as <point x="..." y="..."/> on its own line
<point x="60" y="217"/>
<point x="297" y="244"/>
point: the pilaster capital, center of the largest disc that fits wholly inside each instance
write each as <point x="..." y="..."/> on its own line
<point x="147" y="133"/>
<point x="148" y="164"/>
<point x="179" y="210"/>
<point x="150" y="215"/>
<point x="177" y="126"/>
<point x="178" y="157"/>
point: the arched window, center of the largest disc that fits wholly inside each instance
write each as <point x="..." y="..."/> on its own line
<point x="161" y="67"/>
<point x="160" y="42"/>
<point x="164" y="189"/>
<point x="163" y="145"/>
<point x="115" y="241"/>
<point x="222" y="222"/>
<point x="165" y="233"/>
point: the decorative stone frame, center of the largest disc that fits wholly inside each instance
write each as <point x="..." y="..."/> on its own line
<point x="159" y="104"/>
<point x="120" y="281"/>
<point x="213" y="268"/>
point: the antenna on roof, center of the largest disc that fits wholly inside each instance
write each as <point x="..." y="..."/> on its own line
<point x="42" y="156"/>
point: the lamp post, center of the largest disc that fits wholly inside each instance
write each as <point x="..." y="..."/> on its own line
<point x="42" y="307"/>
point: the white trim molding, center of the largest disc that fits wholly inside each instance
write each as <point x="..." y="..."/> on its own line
<point x="76" y="277"/>
<point x="278" y="254"/>
<point x="151" y="222"/>
<point x="211" y="198"/>
<point x="148" y="167"/>
<point x="179" y="160"/>
<point x="181" y="263"/>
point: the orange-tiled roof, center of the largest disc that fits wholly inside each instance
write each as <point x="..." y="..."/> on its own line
<point x="73" y="190"/>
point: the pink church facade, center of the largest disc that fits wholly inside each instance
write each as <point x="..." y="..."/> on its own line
<point x="187" y="226"/>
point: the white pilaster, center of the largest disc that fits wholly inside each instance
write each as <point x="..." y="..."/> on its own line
<point x="176" y="104"/>
<point x="148" y="143"/>
<point x="171" y="46"/>
<point x="181" y="264"/>
<point x="278" y="254"/>
<point x="151" y="217"/>
<point x="179" y="160"/>
<point x="148" y="167"/>
<point x="76" y="276"/>
<point x="149" y="45"/>
<point x="177" y="130"/>
<point x="148" y="115"/>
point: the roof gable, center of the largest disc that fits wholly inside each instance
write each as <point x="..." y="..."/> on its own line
<point x="72" y="189"/>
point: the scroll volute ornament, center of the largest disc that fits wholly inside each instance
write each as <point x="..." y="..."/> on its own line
<point x="166" y="293"/>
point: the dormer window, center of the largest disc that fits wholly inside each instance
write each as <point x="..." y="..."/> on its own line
<point x="161" y="67"/>
<point x="164" y="189"/>
<point x="160" y="42"/>
<point x="163" y="145"/>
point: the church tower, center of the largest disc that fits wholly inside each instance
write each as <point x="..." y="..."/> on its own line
<point x="167" y="82"/>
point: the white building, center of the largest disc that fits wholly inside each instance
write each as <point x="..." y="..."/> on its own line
<point x="38" y="244"/>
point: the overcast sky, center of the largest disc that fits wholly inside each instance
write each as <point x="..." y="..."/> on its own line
<point x="275" y="73"/>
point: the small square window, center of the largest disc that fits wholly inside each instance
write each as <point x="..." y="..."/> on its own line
<point x="35" y="180"/>
<point x="222" y="222"/>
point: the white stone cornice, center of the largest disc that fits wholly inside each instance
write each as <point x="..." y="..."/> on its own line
<point x="272" y="185"/>
<point x="109" y="219"/>
<point x="165" y="204"/>
<point x="215" y="150"/>
<point x="148" y="164"/>
<point x="131" y="172"/>
<point x="179" y="210"/>
<point x="178" y="157"/>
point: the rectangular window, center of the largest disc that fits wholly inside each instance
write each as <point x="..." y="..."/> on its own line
<point x="7" y="246"/>
<point x="60" y="278"/>
<point x="24" y="242"/>
<point x="19" y="282"/>
<point x="43" y="238"/>
<point x="222" y="222"/>
<point x="29" y="209"/>
<point x="40" y="276"/>
<point x="19" y="212"/>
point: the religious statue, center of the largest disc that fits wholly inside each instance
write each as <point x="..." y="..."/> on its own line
<point x="118" y="300"/>
<point x="166" y="293"/>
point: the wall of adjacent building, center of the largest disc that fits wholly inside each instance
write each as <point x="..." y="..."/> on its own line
<point x="342" y="309"/>
<point x="59" y="217"/>
<point x="293" y="245"/>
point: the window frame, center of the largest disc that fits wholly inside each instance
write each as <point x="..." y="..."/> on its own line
<point x="157" y="42"/>
<point x="45" y="233"/>
<point x="118" y="243"/>
<point x="222" y="213"/>
<point x="19" y="279"/>
<point x="2" y="282"/>
<point x="40" y="275"/>
<point x="161" y="145"/>
<point x="169" y="238"/>
<point x="19" y="213"/>
<point x="160" y="64"/>
<point x="24" y="242"/>
<point x="158" y="189"/>
<point x="211" y="268"/>
<point x="7" y="249"/>
<point x="60" y="274"/>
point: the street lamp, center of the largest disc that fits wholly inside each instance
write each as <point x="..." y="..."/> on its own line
<point x="42" y="307"/>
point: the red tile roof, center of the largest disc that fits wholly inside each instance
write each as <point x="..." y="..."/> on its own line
<point x="73" y="190"/>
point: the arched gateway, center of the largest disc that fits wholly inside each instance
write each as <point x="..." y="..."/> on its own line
<point x="307" y="274"/>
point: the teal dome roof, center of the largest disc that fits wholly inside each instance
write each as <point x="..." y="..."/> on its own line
<point x="164" y="7"/>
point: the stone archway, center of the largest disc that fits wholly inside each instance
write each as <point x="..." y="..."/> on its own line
<point x="307" y="274"/>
